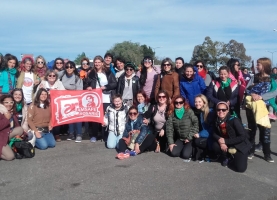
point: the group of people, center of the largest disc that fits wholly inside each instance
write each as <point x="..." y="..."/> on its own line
<point x="178" y="108"/>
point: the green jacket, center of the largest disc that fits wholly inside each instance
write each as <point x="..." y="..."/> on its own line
<point x="183" y="128"/>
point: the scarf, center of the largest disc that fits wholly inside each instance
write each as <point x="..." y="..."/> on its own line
<point x="225" y="84"/>
<point x="18" y="107"/>
<point x="203" y="73"/>
<point x="41" y="72"/>
<point x="179" y="112"/>
<point x="221" y="125"/>
<point x="84" y="72"/>
<point x="11" y="71"/>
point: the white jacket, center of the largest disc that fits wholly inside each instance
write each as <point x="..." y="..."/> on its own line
<point x="115" y="119"/>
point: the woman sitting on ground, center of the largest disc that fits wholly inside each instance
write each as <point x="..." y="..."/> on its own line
<point x="39" y="120"/>
<point x="181" y="126"/>
<point x="142" y="102"/>
<point x="115" y="119"/>
<point x="137" y="136"/>
<point x="9" y="126"/>
<point x="230" y="139"/>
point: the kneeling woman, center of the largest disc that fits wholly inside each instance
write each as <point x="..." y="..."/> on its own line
<point x="181" y="126"/>
<point x="137" y="136"/>
<point x="230" y="138"/>
<point x="39" y="120"/>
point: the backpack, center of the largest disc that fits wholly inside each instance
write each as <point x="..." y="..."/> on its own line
<point x="21" y="148"/>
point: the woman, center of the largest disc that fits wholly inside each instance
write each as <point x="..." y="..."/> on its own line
<point x="168" y="80"/>
<point x="101" y="77"/>
<point x="51" y="81"/>
<point x="137" y="136"/>
<point x="274" y="73"/>
<point x="236" y="76"/>
<point x="8" y="74"/>
<point x="71" y="81"/>
<point x="39" y="120"/>
<point x="157" y="116"/>
<point x="9" y="127"/>
<point x="181" y="126"/>
<point x="202" y="141"/>
<point x="191" y="84"/>
<point x="203" y="72"/>
<point x="84" y="72"/>
<point x="142" y="102"/>
<point x="119" y="67"/>
<point x="179" y="66"/>
<point x="148" y="77"/>
<point x="263" y="76"/>
<point x="230" y="139"/>
<point x="128" y="85"/>
<point x="58" y="65"/>
<point x="27" y="79"/>
<point x="40" y="67"/>
<point x="223" y="89"/>
<point x="115" y="119"/>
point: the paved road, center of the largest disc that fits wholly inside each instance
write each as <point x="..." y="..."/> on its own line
<point x="90" y="171"/>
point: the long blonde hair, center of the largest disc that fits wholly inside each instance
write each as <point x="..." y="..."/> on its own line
<point x="205" y="107"/>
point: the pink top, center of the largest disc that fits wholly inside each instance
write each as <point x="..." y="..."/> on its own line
<point x="241" y="82"/>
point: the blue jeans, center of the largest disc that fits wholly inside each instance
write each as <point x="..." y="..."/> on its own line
<point x="75" y="127"/>
<point x="113" y="139"/>
<point x="46" y="140"/>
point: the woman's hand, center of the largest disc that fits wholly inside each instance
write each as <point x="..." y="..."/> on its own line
<point x="171" y="146"/>
<point x="196" y="135"/>
<point x="137" y="148"/>
<point x="223" y="147"/>
<point x="221" y="141"/>
<point x="145" y="121"/>
<point x="8" y="115"/>
<point x="36" y="82"/>
<point x="186" y="141"/>
<point x="50" y="127"/>
<point x="256" y="97"/>
<point x="103" y="87"/>
<point x="37" y="134"/>
<point x="161" y="134"/>
<point x="89" y="88"/>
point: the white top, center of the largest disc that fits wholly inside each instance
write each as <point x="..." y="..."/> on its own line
<point x="103" y="81"/>
<point x="28" y="85"/>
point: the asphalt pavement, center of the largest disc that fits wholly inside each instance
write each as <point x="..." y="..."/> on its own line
<point x="80" y="171"/>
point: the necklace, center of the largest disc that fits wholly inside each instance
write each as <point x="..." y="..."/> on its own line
<point x="160" y="111"/>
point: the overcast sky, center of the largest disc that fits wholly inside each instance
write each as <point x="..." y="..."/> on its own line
<point x="67" y="28"/>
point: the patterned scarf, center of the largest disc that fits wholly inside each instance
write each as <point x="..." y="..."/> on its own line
<point x="41" y="72"/>
<point x="13" y="72"/>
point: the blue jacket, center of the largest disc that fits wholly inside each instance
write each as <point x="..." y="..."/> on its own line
<point x="189" y="89"/>
<point x="112" y="69"/>
<point x="138" y="125"/>
<point x="207" y="127"/>
<point x="4" y="81"/>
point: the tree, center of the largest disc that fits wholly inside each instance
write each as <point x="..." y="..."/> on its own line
<point x="131" y="52"/>
<point x="78" y="59"/>
<point x="215" y="54"/>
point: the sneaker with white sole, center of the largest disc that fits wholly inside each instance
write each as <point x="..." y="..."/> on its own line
<point x="70" y="137"/>
<point x="93" y="139"/>
<point x="78" y="139"/>
<point x="250" y="156"/>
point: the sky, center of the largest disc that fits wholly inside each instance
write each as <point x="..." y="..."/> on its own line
<point x="172" y="27"/>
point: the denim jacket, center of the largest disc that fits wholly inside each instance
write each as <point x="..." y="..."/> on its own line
<point x="137" y="125"/>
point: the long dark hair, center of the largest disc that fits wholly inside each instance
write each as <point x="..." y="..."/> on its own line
<point x="21" y="91"/>
<point x="37" y="99"/>
<point x="54" y="64"/>
<point x="146" y="101"/>
<point x="72" y="64"/>
<point x="143" y="73"/>
<point x="231" y="64"/>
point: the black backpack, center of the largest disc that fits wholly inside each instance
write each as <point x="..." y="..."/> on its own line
<point x="23" y="149"/>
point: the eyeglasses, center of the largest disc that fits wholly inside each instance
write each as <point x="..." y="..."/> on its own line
<point x="223" y="110"/>
<point x="70" y="67"/>
<point x="84" y="63"/>
<point x="59" y="63"/>
<point x="129" y="69"/>
<point x="199" y="66"/>
<point x="178" y="102"/>
<point x="52" y="75"/>
<point x="147" y="60"/>
<point x="133" y="113"/>
<point x="166" y="65"/>
<point x="9" y="102"/>
<point x="161" y="97"/>
<point x="40" y="62"/>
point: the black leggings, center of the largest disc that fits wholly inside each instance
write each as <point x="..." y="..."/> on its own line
<point x="264" y="133"/>
<point x="239" y="163"/>
<point x="200" y="149"/>
<point x="149" y="143"/>
<point x="182" y="149"/>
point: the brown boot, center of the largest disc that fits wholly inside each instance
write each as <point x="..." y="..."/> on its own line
<point x="57" y="138"/>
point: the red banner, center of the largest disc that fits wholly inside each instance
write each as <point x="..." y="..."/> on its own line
<point x="76" y="106"/>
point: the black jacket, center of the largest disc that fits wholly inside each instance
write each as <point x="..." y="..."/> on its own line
<point x="237" y="135"/>
<point x="121" y="85"/>
<point x="111" y="80"/>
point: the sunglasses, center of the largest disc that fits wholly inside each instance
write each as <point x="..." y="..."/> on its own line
<point x="199" y="66"/>
<point x="84" y="63"/>
<point x="178" y="102"/>
<point x="9" y="102"/>
<point x="147" y="60"/>
<point x="160" y="97"/>
<point x="223" y="110"/>
<point x="133" y="113"/>
<point x="59" y="63"/>
<point x="70" y="67"/>
<point x="166" y="65"/>
<point x="129" y="69"/>
<point x="237" y="64"/>
<point x="40" y="62"/>
<point x="52" y="76"/>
